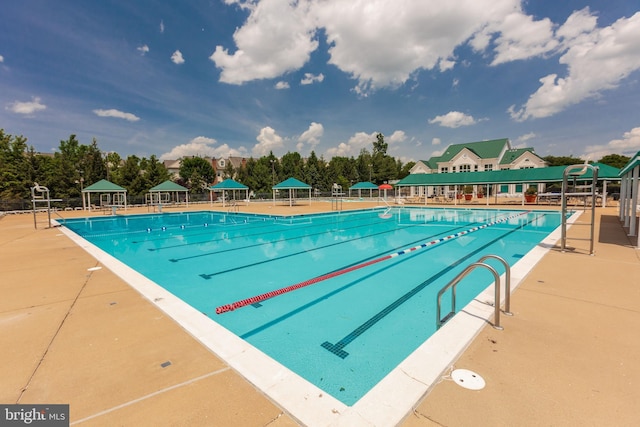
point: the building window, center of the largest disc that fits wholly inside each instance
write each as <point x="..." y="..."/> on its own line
<point x="453" y="169"/>
<point x="444" y="170"/>
<point x="465" y="168"/>
<point x="221" y="162"/>
<point x="475" y="168"/>
<point x="488" y="167"/>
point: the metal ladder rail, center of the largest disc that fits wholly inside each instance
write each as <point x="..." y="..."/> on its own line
<point x="452" y="285"/>
<point x="565" y="194"/>
<point x="336" y="197"/>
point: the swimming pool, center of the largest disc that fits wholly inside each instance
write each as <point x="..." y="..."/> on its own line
<point x="348" y="330"/>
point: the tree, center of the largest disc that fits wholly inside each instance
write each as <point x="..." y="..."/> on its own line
<point x="292" y="166"/>
<point x="314" y="172"/>
<point x="197" y="173"/>
<point x="562" y="160"/>
<point x="155" y="172"/>
<point x="615" y="160"/>
<point x="14" y="182"/>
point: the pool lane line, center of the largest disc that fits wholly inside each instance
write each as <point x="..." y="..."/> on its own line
<point x="334" y="292"/>
<point x="276" y="220"/>
<point x="281" y="257"/>
<point x="324" y="231"/>
<point x="338" y="347"/>
<point x="208" y="276"/>
<point x="240" y="267"/>
<point x="258" y="298"/>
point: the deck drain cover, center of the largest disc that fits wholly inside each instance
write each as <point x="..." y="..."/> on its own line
<point x="468" y="379"/>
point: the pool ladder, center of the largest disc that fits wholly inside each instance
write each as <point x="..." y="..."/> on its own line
<point x="452" y="285"/>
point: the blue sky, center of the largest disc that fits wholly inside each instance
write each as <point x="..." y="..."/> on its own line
<point x="245" y="77"/>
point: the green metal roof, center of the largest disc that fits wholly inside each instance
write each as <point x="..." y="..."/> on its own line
<point x="291" y="183"/>
<point x="516" y="176"/>
<point x="513" y="154"/>
<point x="103" y="186"/>
<point x="633" y="162"/>
<point x="169" y="186"/>
<point x="363" y="186"/>
<point x="229" y="184"/>
<point x="483" y="149"/>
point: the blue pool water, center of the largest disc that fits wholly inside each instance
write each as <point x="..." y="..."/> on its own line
<point x="345" y="333"/>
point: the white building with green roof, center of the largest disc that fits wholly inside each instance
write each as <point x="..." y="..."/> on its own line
<point x="481" y="156"/>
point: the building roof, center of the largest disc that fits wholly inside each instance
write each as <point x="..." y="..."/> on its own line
<point x="291" y="183"/>
<point x="513" y="154"/>
<point x="103" y="186"/>
<point x="517" y="176"/>
<point x="169" y="185"/>
<point x="363" y="186"/>
<point x="633" y="162"/>
<point x="229" y="184"/>
<point x="483" y="149"/>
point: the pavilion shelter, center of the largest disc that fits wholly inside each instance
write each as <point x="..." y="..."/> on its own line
<point x="109" y="195"/>
<point x="363" y="186"/>
<point x="230" y="185"/>
<point x="293" y="186"/>
<point x="629" y="196"/>
<point x="513" y="182"/>
<point x="166" y="193"/>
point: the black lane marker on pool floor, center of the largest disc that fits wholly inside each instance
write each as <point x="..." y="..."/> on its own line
<point x="259" y="224"/>
<point x="349" y="285"/>
<point x="338" y="347"/>
<point x="325" y="231"/>
<point x="210" y="275"/>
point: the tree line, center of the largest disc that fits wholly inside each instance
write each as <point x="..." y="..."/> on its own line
<point x="74" y="166"/>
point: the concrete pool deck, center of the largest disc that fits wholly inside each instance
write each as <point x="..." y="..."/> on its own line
<point x="86" y="338"/>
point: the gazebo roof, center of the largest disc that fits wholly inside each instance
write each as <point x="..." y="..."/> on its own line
<point x="169" y="185"/>
<point x="229" y="184"/>
<point x="363" y="186"/>
<point x="104" y="186"/>
<point x="291" y="183"/>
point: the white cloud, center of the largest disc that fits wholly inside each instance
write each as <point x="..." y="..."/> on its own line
<point x="203" y="147"/>
<point x="454" y="119"/>
<point x="282" y="85"/>
<point x="436" y="141"/>
<point x="277" y="37"/>
<point x="310" y="79"/>
<point x="117" y="114"/>
<point x="161" y="26"/>
<point x="526" y="137"/>
<point x="352" y="147"/>
<point x="311" y="136"/>
<point x="396" y="137"/>
<point x="597" y="59"/>
<point x="520" y="37"/>
<point x="382" y="43"/>
<point x="628" y="145"/>
<point x="1" y="58"/>
<point x="268" y="140"/>
<point x="143" y="49"/>
<point x="28" y="107"/>
<point x="177" y="58"/>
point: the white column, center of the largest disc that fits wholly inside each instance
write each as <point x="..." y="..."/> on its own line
<point x="634" y="200"/>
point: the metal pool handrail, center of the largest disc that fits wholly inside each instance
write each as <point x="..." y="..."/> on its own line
<point x="452" y="285"/>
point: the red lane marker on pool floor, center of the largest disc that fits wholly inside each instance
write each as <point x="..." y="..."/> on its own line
<point x="259" y="298"/>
